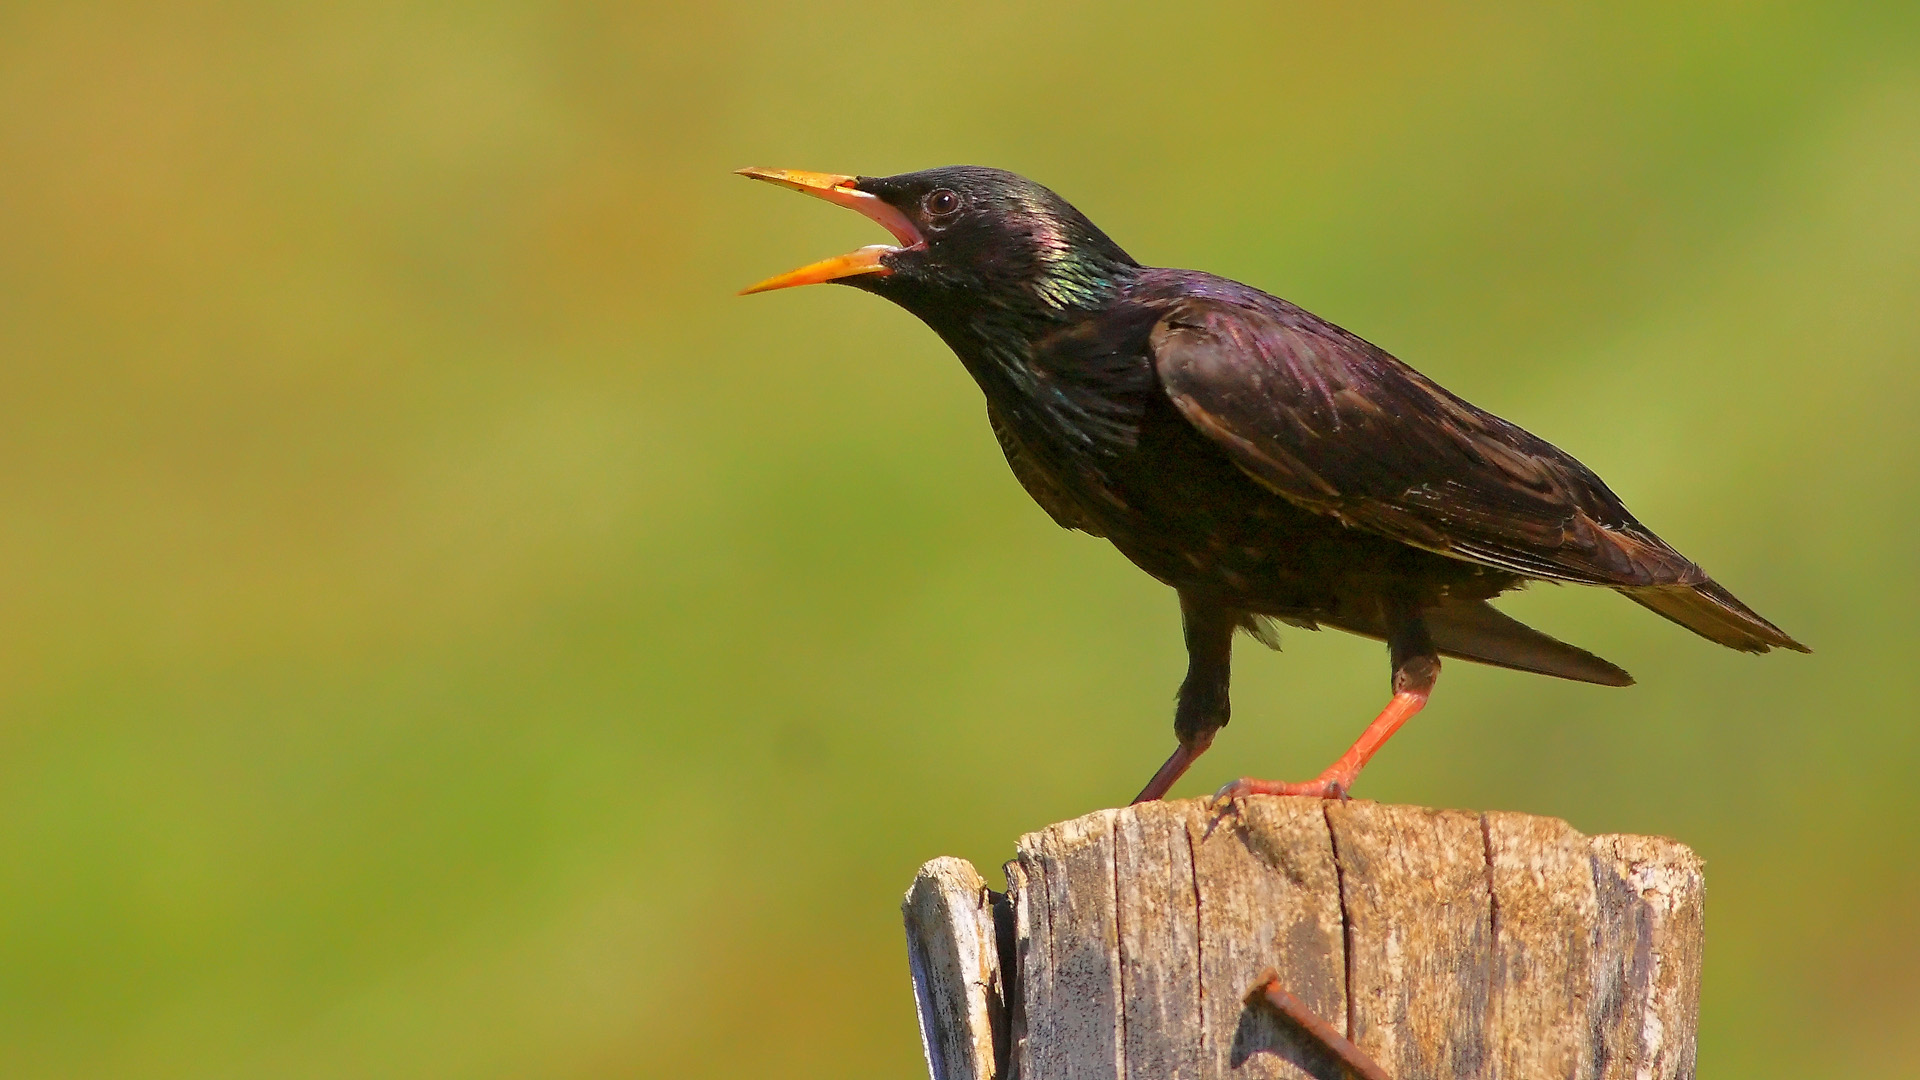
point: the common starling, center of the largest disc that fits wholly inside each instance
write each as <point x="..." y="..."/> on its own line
<point x="1265" y="463"/>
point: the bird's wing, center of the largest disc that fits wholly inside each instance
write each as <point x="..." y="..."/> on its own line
<point x="1338" y="426"/>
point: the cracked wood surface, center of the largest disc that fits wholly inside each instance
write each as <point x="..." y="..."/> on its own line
<point x="953" y="953"/>
<point x="1444" y="943"/>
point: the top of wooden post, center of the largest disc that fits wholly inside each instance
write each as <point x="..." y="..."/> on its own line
<point x="1444" y="943"/>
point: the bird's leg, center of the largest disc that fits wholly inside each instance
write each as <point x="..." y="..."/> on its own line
<point x="1416" y="666"/>
<point x="1201" y="707"/>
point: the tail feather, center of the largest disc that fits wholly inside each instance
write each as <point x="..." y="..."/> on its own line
<point x="1483" y="634"/>
<point x="1476" y="631"/>
<point x="1714" y="614"/>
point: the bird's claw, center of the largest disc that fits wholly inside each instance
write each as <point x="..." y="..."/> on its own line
<point x="1226" y="803"/>
<point x="1230" y="801"/>
<point x="1324" y="786"/>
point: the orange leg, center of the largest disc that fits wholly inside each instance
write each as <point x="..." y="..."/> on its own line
<point x="1416" y="667"/>
<point x="1338" y="778"/>
<point x="1176" y="767"/>
<point x="1203" y="709"/>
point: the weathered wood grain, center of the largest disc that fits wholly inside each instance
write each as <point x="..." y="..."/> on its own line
<point x="952" y="950"/>
<point x="1646" y="963"/>
<point x="1446" y="944"/>
<point x="1413" y="884"/>
<point x="1544" y="928"/>
<point x="1268" y="897"/>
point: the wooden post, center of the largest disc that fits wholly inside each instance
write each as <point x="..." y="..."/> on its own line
<point x="1445" y="944"/>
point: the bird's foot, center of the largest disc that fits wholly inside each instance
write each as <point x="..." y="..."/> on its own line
<point x="1331" y="784"/>
<point x="1227" y="802"/>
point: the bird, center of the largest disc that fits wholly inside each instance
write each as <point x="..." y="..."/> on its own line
<point x="1266" y="464"/>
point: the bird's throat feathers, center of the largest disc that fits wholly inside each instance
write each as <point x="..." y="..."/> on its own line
<point x="1071" y="379"/>
<point x="1003" y="339"/>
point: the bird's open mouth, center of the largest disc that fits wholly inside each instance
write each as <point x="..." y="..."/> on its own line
<point x="841" y="190"/>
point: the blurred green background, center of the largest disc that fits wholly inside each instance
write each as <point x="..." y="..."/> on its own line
<point x="445" y="633"/>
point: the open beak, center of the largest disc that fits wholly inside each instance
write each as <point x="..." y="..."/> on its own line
<point x="841" y="190"/>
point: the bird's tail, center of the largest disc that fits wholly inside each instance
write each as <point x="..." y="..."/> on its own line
<point x="1478" y="632"/>
<point x="1714" y="614"/>
<point x="1483" y="634"/>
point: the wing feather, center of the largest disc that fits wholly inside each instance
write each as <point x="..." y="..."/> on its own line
<point x="1338" y="426"/>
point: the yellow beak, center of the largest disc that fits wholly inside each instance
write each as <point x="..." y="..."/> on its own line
<point x="844" y="191"/>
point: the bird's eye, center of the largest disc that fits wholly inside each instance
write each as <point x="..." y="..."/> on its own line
<point x="941" y="203"/>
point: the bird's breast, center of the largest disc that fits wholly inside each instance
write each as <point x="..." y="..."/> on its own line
<point x="1180" y="510"/>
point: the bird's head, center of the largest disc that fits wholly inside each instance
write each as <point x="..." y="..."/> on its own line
<point x="966" y="238"/>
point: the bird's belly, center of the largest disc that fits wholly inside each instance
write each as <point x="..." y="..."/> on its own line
<point x="1181" y="511"/>
<point x="1275" y="558"/>
<point x="1190" y="518"/>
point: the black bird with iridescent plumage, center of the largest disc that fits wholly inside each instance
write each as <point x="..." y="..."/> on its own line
<point x="1263" y="462"/>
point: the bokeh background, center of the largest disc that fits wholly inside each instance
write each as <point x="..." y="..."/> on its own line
<point x="445" y="633"/>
